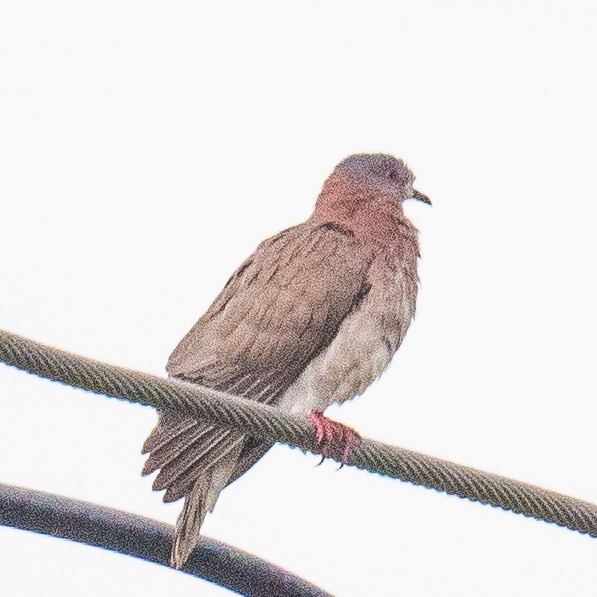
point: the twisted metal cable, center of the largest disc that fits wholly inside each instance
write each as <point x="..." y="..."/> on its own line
<point x="146" y="539"/>
<point x="271" y="425"/>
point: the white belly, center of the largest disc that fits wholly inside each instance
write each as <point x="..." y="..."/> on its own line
<point x="363" y="347"/>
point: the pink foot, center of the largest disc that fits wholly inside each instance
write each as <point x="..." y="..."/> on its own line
<point x="333" y="437"/>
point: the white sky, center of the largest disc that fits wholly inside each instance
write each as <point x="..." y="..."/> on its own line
<point x="147" y="147"/>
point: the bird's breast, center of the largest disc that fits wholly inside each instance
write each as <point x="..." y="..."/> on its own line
<point x="364" y="345"/>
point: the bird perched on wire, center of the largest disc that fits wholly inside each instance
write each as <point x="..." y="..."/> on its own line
<point x="311" y="318"/>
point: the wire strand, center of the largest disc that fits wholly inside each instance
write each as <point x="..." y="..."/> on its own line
<point x="146" y="539"/>
<point x="271" y="425"/>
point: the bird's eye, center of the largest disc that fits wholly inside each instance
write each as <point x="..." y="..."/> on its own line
<point x="391" y="175"/>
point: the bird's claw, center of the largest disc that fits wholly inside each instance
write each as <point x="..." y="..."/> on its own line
<point x="333" y="438"/>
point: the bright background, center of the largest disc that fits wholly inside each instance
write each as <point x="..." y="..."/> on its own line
<point x="147" y="147"/>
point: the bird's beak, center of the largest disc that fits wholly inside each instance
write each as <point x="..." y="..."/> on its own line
<point x="420" y="197"/>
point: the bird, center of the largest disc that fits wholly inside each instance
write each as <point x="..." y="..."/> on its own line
<point x="311" y="318"/>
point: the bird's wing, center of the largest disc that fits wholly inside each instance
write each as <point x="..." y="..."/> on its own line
<point x="278" y="311"/>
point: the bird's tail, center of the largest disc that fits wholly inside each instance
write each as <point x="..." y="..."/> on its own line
<point x="196" y="461"/>
<point x="201" y="500"/>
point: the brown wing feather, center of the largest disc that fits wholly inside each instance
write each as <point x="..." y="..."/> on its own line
<point x="278" y="311"/>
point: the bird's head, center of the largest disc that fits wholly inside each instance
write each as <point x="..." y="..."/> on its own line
<point x="362" y="180"/>
<point x="380" y="174"/>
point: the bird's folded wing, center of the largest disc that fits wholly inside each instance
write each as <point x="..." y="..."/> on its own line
<point x="277" y="312"/>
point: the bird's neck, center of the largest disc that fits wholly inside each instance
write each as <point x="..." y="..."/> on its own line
<point x="380" y="226"/>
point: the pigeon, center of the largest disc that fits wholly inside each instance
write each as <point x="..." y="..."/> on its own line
<point x="311" y="318"/>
